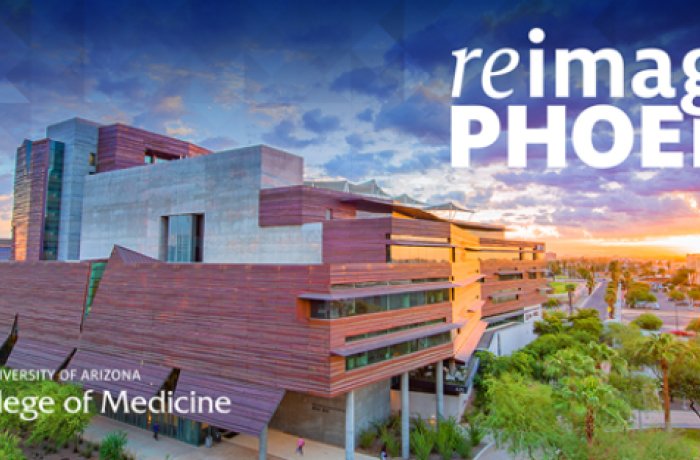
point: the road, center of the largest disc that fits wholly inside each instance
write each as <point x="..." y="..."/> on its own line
<point x="672" y="316"/>
<point x="597" y="300"/>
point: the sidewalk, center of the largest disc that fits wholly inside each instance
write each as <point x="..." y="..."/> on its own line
<point x="679" y="419"/>
<point x="144" y="447"/>
<point x="281" y="446"/>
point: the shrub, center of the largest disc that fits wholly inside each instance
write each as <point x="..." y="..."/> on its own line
<point x="9" y="447"/>
<point x="367" y="437"/>
<point x="446" y="438"/>
<point x="476" y="434"/>
<point x="648" y="321"/>
<point x="693" y="325"/>
<point x="552" y="302"/>
<point x="422" y="442"/>
<point x="463" y="447"/>
<point x="112" y="446"/>
<point x="390" y="441"/>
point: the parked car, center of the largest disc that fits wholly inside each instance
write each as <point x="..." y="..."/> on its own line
<point x="649" y="305"/>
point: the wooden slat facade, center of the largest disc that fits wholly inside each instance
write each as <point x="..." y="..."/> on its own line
<point x="47" y="297"/>
<point x="121" y="146"/>
<point x="252" y="405"/>
<point x="528" y="289"/>
<point x="30" y="200"/>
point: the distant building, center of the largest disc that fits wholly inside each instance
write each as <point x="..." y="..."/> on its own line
<point x="550" y="256"/>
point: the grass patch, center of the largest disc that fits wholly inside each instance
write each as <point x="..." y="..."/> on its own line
<point x="559" y="287"/>
<point x="693" y="437"/>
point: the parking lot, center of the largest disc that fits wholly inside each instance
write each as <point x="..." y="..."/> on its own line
<point x="673" y="317"/>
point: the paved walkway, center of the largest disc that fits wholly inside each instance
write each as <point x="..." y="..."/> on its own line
<point x="679" y="419"/>
<point x="281" y="446"/>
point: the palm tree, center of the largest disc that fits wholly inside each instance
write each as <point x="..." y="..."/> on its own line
<point x="610" y="299"/>
<point x="570" y="289"/>
<point x="590" y="283"/>
<point x="662" y="350"/>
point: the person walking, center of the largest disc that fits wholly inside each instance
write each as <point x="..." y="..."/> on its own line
<point x="300" y="446"/>
<point x="382" y="453"/>
<point x="156" y="429"/>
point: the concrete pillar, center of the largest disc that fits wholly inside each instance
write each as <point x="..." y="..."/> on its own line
<point x="439" y="391"/>
<point x="262" y="444"/>
<point x="350" y="426"/>
<point x="405" y="413"/>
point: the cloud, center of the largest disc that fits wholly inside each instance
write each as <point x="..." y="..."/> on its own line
<point x="371" y="82"/>
<point x="423" y="116"/>
<point x="366" y="115"/>
<point x="218" y="143"/>
<point x="359" y="166"/>
<point x="171" y="105"/>
<point x="178" y="129"/>
<point x="318" y="123"/>
<point x="356" y="141"/>
<point x="283" y="135"/>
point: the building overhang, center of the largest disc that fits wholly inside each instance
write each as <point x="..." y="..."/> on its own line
<point x="252" y="404"/>
<point x="351" y="293"/>
<point x="31" y="354"/>
<point x="85" y="363"/>
<point x="394" y="339"/>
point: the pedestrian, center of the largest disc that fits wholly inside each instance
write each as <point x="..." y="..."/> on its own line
<point x="300" y="446"/>
<point x="382" y="453"/>
<point x="156" y="429"/>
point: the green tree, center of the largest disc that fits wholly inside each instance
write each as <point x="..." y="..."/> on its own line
<point x="610" y="299"/>
<point x="552" y="302"/>
<point x="676" y="295"/>
<point x="693" y="325"/>
<point x="59" y="426"/>
<point x="684" y="376"/>
<point x="648" y="321"/>
<point x="598" y="404"/>
<point x="552" y="323"/>
<point x="694" y="294"/>
<point x="662" y="350"/>
<point x="522" y="417"/>
<point x="590" y="283"/>
<point x="570" y="289"/>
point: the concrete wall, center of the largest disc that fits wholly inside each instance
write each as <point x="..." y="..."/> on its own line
<point x="323" y="419"/>
<point x="80" y="139"/>
<point x="424" y="405"/>
<point x="512" y="337"/>
<point x="126" y="207"/>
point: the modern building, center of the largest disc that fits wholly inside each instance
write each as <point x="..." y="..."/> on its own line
<point x="50" y="173"/>
<point x="226" y="274"/>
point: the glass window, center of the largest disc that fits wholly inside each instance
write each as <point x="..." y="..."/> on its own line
<point x="386" y="353"/>
<point x="510" y="276"/>
<point x="368" y="335"/>
<point x="185" y="238"/>
<point x="375" y="304"/>
<point x="52" y="210"/>
<point x="408" y="254"/>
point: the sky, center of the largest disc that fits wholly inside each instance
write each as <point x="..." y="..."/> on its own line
<point x="359" y="89"/>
